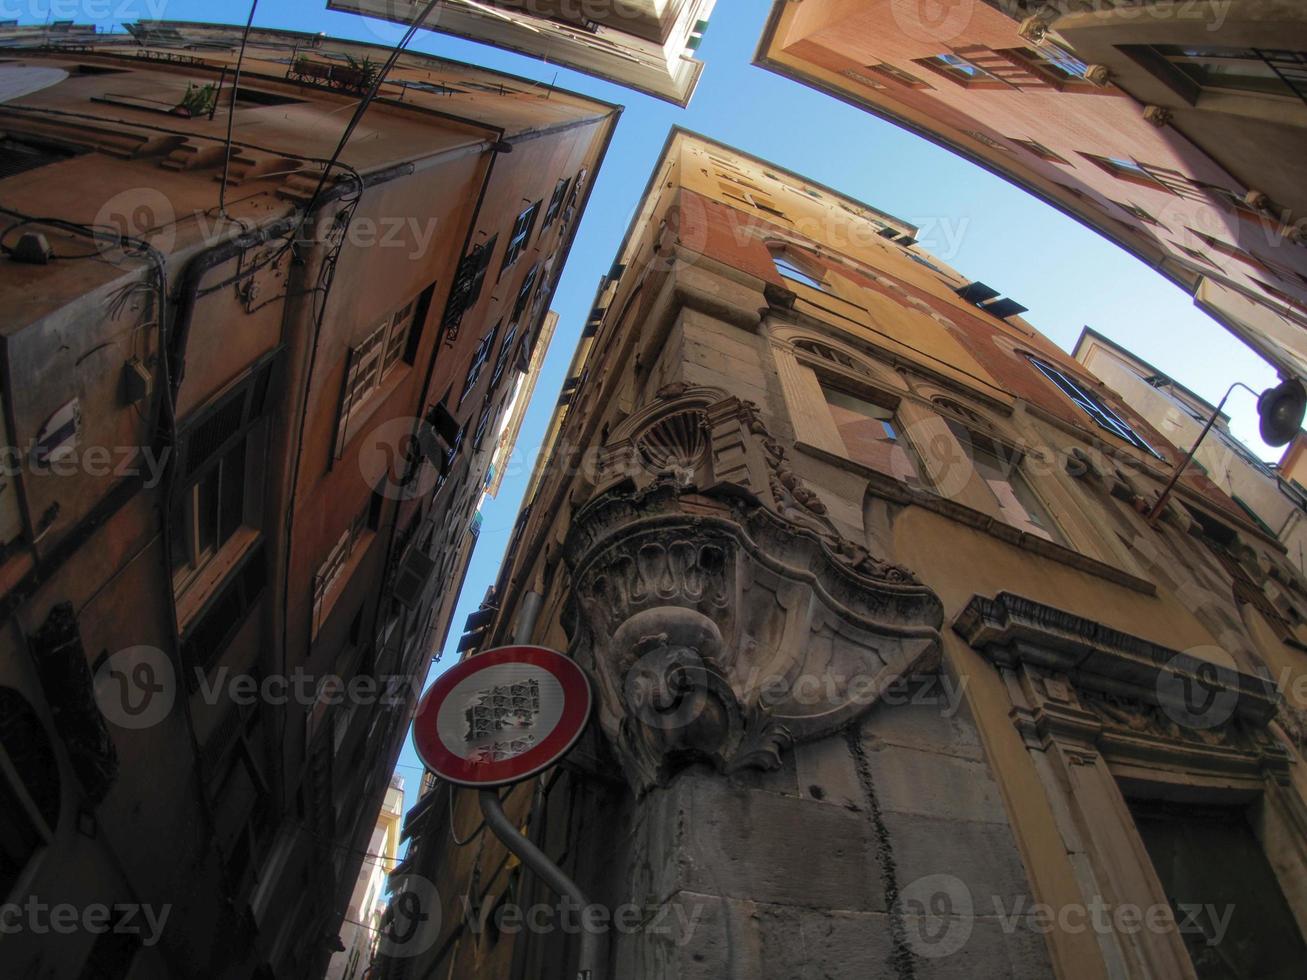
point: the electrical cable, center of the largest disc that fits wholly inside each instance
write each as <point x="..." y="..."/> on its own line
<point x="359" y="110"/>
<point x="231" y="112"/>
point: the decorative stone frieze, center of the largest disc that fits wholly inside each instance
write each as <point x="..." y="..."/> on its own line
<point x="724" y="615"/>
<point x="1090" y="688"/>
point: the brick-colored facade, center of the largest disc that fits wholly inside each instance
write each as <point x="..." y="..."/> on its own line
<point x="246" y="446"/>
<point x="1220" y="214"/>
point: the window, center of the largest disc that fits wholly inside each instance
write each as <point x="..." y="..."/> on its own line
<point x="221" y="465"/>
<point x="468" y="280"/>
<point x="505" y="352"/>
<point x="370" y="363"/>
<point x="793" y="268"/>
<point x="862" y="79"/>
<point x="1194" y="254"/>
<point x="483" y="424"/>
<point x="964" y="72"/>
<point x="953" y="407"/>
<point x="479" y="359"/>
<point x="1253" y="70"/>
<point x="1041" y="151"/>
<point x="351" y="540"/>
<point x="1225" y="248"/>
<point x="207" y="513"/>
<point x="1103" y="416"/>
<point x="870" y="434"/>
<point x="1131" y="170"/>
<point x="556" y="202"/>
<point x="577" y="187"/>
<point x="521" y="235"/>
<point x="1135" y="211"/>
<point x="1000" y="468"/>
<point x="1059" y="68"/>
<point x="524" y="292"/>
<point x="764" y="203"/>
<point x="738" y="179"/>
<point x="898" y="75"/>
<point x="204" y="639"/>
<point x="754" y="200"/>
<point x="1281" y="295"/>
<point x="827" y="353"/>
<point x="1239" y="923"/>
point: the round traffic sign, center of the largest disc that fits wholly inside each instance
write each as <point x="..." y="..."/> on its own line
<point x="501" y="716"/>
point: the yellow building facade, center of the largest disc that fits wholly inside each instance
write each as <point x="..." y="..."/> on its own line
<point x="893" y="676"/>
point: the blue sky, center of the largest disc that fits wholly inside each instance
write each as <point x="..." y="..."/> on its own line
<point x="1068" y="276"/>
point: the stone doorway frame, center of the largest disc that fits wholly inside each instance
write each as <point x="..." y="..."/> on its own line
<point x="1101" y="711"/>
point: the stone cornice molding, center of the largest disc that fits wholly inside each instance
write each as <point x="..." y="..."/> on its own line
<point x="1012" y="630"/>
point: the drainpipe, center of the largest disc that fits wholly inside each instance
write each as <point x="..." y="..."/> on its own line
<point x="526" y="618"/>
<point x="588" y="963"/>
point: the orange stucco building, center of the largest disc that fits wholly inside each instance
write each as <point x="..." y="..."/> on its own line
<point x="251" y="390"/>
<point x="1181" y="147"/>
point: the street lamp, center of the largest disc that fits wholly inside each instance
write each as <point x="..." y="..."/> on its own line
<point x="1281" y="410"/>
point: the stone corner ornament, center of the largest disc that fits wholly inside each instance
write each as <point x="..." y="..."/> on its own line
<point x="723" y="614"/>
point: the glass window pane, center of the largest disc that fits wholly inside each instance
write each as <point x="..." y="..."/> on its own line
<point x="232" y="489"/>
<point x="791" y="271"/>
<point x="179" y="546"/>
<point x="206" y="507"/>
<point x="869" y="435"/>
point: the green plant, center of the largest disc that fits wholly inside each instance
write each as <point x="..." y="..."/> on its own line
<point x="199" y="100"/>
<point x="367" y="69"/>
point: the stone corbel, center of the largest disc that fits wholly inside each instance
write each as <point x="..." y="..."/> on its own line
<point x="723" y="615"/>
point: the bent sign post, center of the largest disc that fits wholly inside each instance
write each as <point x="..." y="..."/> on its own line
<point x="501" y="717"/>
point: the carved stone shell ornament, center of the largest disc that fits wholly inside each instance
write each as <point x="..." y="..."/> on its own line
<point x="722" y="618"/>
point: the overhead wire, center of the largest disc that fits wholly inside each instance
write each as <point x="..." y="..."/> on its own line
<point x="231" y="111"/>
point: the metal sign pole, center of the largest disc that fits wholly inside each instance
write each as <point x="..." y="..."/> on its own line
<point x="587" y="967"/>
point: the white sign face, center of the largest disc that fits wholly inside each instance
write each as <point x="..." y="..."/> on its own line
<point x="500" y="712"/>
<point x="502" y="715"/>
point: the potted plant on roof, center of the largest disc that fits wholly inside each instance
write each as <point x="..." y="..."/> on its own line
<point x="365" y="71"/>
<point x="199" y="100"/>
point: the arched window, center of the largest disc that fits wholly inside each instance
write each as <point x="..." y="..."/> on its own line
<point x="956" y="408"/>
<point x="827" y="353"/>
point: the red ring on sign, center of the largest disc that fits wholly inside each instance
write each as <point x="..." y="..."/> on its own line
<point x="445" y="764"/>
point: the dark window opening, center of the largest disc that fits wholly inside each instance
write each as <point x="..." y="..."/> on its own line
<point x="1229" y="907"/>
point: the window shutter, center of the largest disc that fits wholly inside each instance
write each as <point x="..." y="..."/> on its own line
<point x="468" y="280"/>
<point x="346" y="402"/>
<point x="217" y="427"/>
